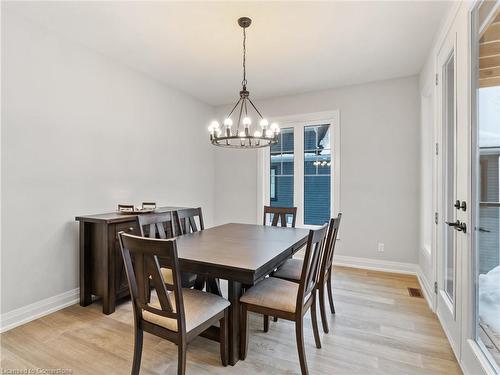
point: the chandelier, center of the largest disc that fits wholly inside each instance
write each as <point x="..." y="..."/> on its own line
<point x="239" y="134"/>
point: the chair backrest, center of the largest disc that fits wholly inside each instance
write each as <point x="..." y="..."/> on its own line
<point x="280" y="214"/>
<point x="140" y="256"/>
<point x="157" y="225"/>
<point x="186" y="220"/>
<point x="331" y="240"/>
<point x="310" y="268"/>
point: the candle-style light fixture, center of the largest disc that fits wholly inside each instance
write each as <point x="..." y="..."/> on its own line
<point x="239" y="134"/>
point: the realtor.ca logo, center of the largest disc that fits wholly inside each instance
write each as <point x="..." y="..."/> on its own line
<point x="36" y="371"/>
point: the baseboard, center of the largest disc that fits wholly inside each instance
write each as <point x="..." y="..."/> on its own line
<point x="38" y="309"/>
<point x="375" y="264"/>
<point x="427" y="289"/>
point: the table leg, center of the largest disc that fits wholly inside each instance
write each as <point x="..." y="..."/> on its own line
<point x="85" y="293"/>
<point x="234" y="294"/>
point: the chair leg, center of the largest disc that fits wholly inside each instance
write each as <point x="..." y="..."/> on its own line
<point x="330" y="294"/>
<point x="181" y="362"/>
<point x="314" y="320"/>
<point x="138" y="340"/>
<point x="148" y="290"/>
<point x="223" y="338"/>
<point x="324" y="321"/>
<point x="299" y="334"/>
<point x="266" y="323"/>
<point x="275" y="319"/>
<point x="243" y="332"/>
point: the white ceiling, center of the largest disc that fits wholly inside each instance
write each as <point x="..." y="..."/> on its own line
<point x="292" y="47"/>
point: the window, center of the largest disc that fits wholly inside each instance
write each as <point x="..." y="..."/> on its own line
<point x="302" y="168"/>
<point x="282" y="170"/>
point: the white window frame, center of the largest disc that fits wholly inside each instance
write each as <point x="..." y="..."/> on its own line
<point x="298" y="122"/>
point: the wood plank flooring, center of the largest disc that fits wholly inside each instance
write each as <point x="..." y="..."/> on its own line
<point x="378" y="329"/>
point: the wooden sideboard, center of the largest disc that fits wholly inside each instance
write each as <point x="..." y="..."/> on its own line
<point x="102" y="273"/>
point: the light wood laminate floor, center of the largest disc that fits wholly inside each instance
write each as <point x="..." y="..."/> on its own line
<point x="378" y="329"/>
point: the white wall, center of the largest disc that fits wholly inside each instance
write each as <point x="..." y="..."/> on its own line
<point x="380" y="166"/>
<point x="81" y="133"/>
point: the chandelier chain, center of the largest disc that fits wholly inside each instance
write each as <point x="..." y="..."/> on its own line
<point x="244" y="82"/>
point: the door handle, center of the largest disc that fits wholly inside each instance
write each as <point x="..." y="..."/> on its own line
<point x="481" y="229"/>
<point x="460" y="205"/>
<point x="458" y="225"/>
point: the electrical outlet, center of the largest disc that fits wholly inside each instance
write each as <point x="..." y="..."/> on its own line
<point x="380" y="247"/>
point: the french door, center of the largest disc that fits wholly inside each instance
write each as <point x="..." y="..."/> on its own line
<point x="451" y="227"/>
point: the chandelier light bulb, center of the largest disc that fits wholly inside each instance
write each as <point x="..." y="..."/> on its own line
<point x="257" y="134"/>
<point x="247" y="121"/>
<point x="264" y="123"/>
<point x="228" y="122"/>
<point x="275" y="127"/>
<point x="214" y="125"/>
<point x="269" y="133"/>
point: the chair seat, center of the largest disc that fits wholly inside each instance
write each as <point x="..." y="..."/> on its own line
<point x="187" y="278"/>
<point x="273" y="293"/>
<point x="198" y="308"/>
<point x="290" y="270"/>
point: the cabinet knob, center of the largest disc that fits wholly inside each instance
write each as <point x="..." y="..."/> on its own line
<point x="131" y="229"/>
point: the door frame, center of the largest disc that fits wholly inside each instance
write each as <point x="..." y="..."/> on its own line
<point x="474" y="359"/>
<point x="449" y="313"/>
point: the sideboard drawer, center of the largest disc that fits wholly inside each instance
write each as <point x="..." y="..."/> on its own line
<point x="130" y="227"/>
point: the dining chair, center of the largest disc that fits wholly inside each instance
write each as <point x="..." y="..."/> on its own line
<point x="186" y="223"/>
<point x="180" y="315"/>
<point x="281" y="215"/>
<point x="291" y="270"/>
<point x="161" y="225"/>
<point x="286" y="299"/>
<point x="278" y="215"/>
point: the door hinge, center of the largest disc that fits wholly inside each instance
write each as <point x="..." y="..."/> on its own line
<point x="436" y="217"/>
<point x="435" y="287"/>
<point x="437" y="79"/>
<point x="437" y="148"/>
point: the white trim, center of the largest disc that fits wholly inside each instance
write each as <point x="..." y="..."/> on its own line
<point x="479" y="356"/>
<point x="38" y="309"/>
<point x="427" y="289"/>
<point x="375" y="264"/>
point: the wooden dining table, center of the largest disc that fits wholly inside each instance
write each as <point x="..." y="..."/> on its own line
<point x="242" y="254"/>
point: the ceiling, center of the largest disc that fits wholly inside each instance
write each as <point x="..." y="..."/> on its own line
<point x="292" y="47"/>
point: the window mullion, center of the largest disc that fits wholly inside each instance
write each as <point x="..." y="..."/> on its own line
<point x="299" y="172"/>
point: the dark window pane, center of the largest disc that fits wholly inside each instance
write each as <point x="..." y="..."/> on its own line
<point x="309" y="167"/>
<point x="316" y="199"/>
<point x="284" y="192"/>
<point x="277" y="167"/>
<point x="282" y="162"/>
<point x="287" y="140"/>
<point x="309" y="138"/>
<point x="317" y="170"/>
<point x="276" y="148"/>
<point x="287" y="164"/>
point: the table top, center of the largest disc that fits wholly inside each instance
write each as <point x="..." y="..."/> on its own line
<point x="243" y="252"/>
<point x="117" y="217"/>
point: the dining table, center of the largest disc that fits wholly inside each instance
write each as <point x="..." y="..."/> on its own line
<point x="242" y="254"/>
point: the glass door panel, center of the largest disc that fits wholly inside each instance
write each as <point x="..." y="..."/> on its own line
<point x="449" y="169"/>
<point x="486" y="81"/>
